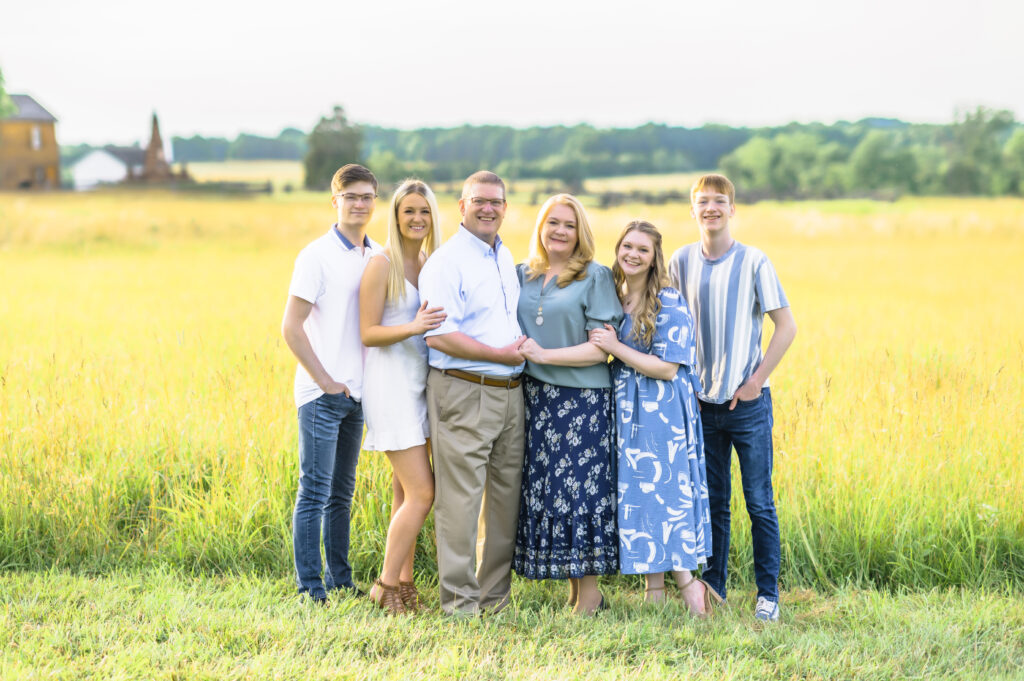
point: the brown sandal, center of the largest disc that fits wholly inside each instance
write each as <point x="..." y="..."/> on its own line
<point x="410" y="596"/>
<point x="389" y="598"/>
<point x="711" y="597"/>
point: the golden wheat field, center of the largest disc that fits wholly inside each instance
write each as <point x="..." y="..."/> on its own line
<point x="146" y="413"/>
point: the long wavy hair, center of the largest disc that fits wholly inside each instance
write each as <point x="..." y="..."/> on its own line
<point x="576" y="269"/>
<point x="645" y="312"/>
<point x="395" y="242"/>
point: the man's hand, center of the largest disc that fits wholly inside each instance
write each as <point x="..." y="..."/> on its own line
<point x="510" y="354"/>
<point x="747" y="392"/>
<point x="333" y="387"/>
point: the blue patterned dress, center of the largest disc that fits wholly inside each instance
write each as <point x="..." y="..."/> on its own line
<point x="663" y="513"/>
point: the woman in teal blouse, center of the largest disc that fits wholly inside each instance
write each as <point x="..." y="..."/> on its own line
<point x="567" y="518"/>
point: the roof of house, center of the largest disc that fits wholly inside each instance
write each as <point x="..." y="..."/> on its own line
<point x="29" y="109"/>
<point x="135" y="156"/>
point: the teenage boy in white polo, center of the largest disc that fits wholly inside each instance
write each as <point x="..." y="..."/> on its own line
<point x="321" y="326"/>
<point x="730" y="287"/>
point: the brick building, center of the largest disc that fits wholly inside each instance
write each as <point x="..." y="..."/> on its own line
<point x="29" y="155"/>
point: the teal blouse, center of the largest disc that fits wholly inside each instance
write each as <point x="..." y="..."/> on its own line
<point x="569" y="315"/>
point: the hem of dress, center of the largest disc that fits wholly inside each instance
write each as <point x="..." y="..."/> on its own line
<point x="393" y="442"/>
<point x="701" y="563"/>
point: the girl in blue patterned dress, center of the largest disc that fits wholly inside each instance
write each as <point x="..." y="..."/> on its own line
<point x="567" y="506"/>
<point x="663" y="514"/>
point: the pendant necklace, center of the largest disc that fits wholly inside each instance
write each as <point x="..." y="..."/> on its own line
<point x="539" y="321"/>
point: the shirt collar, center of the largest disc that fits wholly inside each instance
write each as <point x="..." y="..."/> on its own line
<point x="479" y="243"/>
<point x="346" y="243"/>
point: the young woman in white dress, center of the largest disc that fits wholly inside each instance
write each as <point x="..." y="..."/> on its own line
<point x="392" y="322"/>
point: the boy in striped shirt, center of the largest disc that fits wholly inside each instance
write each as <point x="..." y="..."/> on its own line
<point x="730" y="287"/>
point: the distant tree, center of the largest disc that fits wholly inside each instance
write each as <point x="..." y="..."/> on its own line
<point x="1013" y="163"/>
<point x="252" y="147"/>
<point x="388" y="169"/>
<point x="880" y="162"/>
<point x="976" y="153"/>
<point x="333" y="143"/>
<point x="197" y="148"/>
<point x="750" y="166"/>
<point x="6" y="105"/>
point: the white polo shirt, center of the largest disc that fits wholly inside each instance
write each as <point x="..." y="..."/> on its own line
<point x="478" y="288"/>
<point x="327" y="274"/>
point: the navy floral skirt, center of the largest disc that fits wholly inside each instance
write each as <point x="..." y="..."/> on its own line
<point x="567" y="518"/>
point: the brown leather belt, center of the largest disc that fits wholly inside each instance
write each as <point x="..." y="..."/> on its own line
<point x="508" y="383"/>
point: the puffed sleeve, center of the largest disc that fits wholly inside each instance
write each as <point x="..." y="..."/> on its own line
<point x="600" y="302"/>
<point x="441" y="286"/>
<point x="673" y="331"/>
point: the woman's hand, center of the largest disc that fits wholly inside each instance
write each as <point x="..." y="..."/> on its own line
<point x="606" y="339"/>
<point x="427" y="319"/>
<point x="532" y="351"/>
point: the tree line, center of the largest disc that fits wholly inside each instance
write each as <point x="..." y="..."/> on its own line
<point x="980" y="152"/>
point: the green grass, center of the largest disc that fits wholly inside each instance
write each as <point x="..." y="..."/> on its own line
<point x="158" y="624"/>
<point x="147" y="438"/>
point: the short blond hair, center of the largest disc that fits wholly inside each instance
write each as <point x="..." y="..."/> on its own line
<point x="713" y="182"/>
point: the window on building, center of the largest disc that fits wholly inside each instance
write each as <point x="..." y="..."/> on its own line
<point x="37" y="137"/>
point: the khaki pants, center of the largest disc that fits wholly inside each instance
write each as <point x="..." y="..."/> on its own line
<point x="477" y="436"/>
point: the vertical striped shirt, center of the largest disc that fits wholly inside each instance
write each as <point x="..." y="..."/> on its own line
<point x="728" y="298"/>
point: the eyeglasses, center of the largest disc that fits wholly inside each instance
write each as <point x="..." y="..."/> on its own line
<point x="357" y="198"/>
<point x="481" y="202"/>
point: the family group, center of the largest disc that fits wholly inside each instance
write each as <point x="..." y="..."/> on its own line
<point x="565" y="420"/>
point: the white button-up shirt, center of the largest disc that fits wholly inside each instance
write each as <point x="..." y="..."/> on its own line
<point x="479" y="291"/>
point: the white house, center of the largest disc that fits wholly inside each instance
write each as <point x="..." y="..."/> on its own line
<point x="108" y="165"/>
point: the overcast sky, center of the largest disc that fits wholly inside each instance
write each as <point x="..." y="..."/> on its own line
<point x="216" y="68"/>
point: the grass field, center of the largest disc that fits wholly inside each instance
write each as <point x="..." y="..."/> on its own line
<point x="146" y="424"/>
<point x="290" y="173"/>
<point x="155" y="624"/>
<point x="278" y="173"/>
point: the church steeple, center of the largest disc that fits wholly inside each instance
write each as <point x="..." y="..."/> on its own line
<point x="156" y="166"/>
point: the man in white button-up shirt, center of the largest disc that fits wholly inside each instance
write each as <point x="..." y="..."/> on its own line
<point x="475" y="402"/>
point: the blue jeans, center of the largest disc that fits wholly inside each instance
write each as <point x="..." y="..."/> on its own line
<point x="748" y="428"/>
<point x="330" y="435"/>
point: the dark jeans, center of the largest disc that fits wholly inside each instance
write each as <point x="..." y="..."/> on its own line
<point x="748" y="428"/>
<point x="330" y="434"/>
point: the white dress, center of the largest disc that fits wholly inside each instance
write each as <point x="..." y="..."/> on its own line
<point x="395" y="384"/>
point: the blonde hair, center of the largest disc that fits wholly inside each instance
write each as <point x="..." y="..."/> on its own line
<point x="645" y="313"/>
<point x="713" y="182"/>
<point x="395" y="242"/>
<point x="576" y="269"/>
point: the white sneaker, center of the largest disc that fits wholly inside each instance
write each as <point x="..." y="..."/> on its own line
<point x="766" y="610"/>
